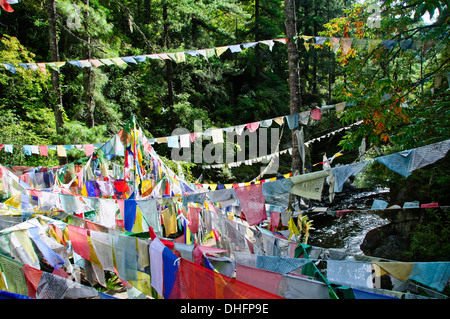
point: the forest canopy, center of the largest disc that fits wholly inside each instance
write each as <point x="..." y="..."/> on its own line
<point x="394" y="76"/>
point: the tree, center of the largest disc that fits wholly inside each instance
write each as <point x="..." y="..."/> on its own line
<point x="295" y="102"/>
<point x="25" y="106"/>
<point x="58" y="109"/>
<point x="396" y="82"/>
<point x="85" y="33"/>
<point x="397" y="86"/>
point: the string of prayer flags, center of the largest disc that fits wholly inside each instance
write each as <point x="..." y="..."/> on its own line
<point x="278" y="153"/>
<point x="293" y="121"/>
<point x="122" y="62"/>
<point x="172" y="277"/>
<point x="116" y="145"/>
<point x="344" y="44"/>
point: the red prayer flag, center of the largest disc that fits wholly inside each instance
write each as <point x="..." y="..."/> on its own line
<point x="89" y="148"/>
<point x="32" y="277"/>
<point x="260" y="278"/>
<point x="316" y="114"/>
<point x="196" y="282"/>
<point x="430" y="205"/>
<point x="120" y="186"/>
<point x="43" y="150"/>
<point x="167" y="190"/>
<point x="78" y="238"/>
<point x="193" y="217"/>
<point x="5" y="5"/>
<point x="274" y="220"/>
<point x="252" y="126"/>
<point x="252" y="202"/>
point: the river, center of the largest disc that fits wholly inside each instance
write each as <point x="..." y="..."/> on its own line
<point x="348" y="232"/>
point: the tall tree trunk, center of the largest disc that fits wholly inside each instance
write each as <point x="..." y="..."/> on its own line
<point x="315" y="58"/>
<point x="88" y="86"/>
<point x="147" y="11"/>
<point x="257" y="38"/>
<point x="169" y="67"/>
<point x="88" y="79"/>
<point x="54" y="54"/>
<point x="295" y="102"/>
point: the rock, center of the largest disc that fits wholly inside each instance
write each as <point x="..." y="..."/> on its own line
<point x="383" y="242"/>
<point x="392" y="248"/>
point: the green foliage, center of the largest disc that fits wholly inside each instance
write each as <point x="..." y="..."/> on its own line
<point x="220" y="91"/>
<point x="431" y="240"/>
<point x="393" y="90"/>
<point x="23" y="90"/>
<point x="25" y="118"/>
<point x="15" y="131"/>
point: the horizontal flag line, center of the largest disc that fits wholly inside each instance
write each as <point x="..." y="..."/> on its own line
<point x="89" y="148"/>
<point x="345" y="44"/>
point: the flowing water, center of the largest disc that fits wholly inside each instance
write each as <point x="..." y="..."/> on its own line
<point x="348" y="232"/>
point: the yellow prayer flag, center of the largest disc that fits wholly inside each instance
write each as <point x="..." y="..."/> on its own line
<point x="180" y="57"/>
<point x="2" y="282"/>
<point x="15" y="201"/>
<point x="84" y="191"/>
<point x="170" y="222"/>
<point x="279" y="120"/>
<point x="373" y="44"/>
<point x="292" y="227"/>
<point x="92" y="254"/>
<point x="61" y="151"/>
<point x="187" y="235"/>
<point x="25" y="242"/>
<point x="137" y="227"/>
<point x="146" y="186"/>
<point x="143" y="283"/>
<point x="160" y="140"/>
<point x="220" y="50"/>
<point x="399" y="270"/>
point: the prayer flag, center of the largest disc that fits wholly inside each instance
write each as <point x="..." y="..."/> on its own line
<point x="252" y="202"/>
<point x="78" y="238"/>
<point x="316" y="114"/>
<point x="346" y="45"/>
<point x="156" y="249"/>
<point x="252" y="126"/>
<point x="220" y="50"/>
<point x="43" y="150"/>
<point x="5" y="5"/>
<point x="61" y="151"/>
<point x="129" y="214"/>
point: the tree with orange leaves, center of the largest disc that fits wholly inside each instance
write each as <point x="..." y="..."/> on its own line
<point x="396" y="72"/>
